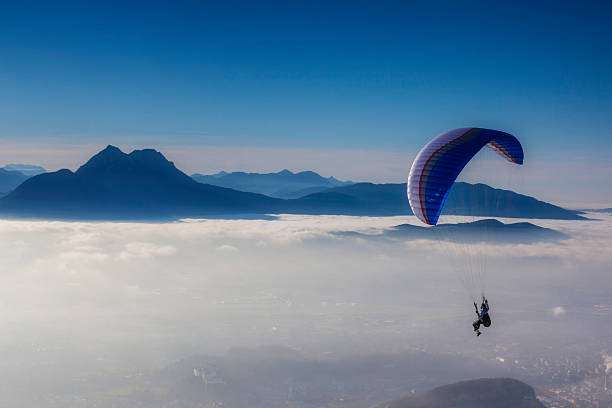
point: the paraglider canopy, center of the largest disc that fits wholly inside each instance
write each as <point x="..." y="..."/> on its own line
<point x="438" y="164"/>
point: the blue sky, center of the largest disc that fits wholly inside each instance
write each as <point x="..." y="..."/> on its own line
<point x="342" y="76"/>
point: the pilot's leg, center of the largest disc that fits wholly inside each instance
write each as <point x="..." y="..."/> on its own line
<point x="476" y="325"/>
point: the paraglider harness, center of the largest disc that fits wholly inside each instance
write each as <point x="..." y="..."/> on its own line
<point x="483" y="316"/>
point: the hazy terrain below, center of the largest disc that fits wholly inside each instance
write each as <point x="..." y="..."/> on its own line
<point x="120" y="314"/>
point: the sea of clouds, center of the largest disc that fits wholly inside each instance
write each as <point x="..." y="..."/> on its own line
<point x="124" y="297"/>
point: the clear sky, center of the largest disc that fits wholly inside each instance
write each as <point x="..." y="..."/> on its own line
<point x="323" y="81"/>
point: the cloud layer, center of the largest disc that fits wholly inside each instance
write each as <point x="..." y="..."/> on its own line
<point x="110" y="295"/>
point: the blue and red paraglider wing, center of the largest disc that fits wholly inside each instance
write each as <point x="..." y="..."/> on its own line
<point x="438" y="164"/>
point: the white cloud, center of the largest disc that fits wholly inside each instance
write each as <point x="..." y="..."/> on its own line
<point x="588" y="241"/>
<point x="122" y="282"/>
<point x="608" y="362"/>
<point x="83" y="256"/>
<point x="226" y="248"/>
<point x="558" y="311"/>
<point x="145" y="250"/>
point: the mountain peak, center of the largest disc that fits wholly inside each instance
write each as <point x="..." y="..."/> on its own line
<point x="148" y="154"/>
<point x="285" y="172"/>
<point x="145" y="152"/>
<point x="308" y="173"/>
<point x="103" y="158"/>
<point x="110" y="151"/>
<point x="113" y="158"/>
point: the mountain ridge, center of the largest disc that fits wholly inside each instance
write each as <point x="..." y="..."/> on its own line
<point x="25" y="169"/>
<point x="486" y="230"/>
<point x="283" y="184"/>
<point x="145" y="185"/>
<point x="10" y="179"/>
<point x="114" y="184"/>
<point x="464" y="199"/>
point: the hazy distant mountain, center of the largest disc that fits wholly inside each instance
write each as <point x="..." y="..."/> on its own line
<point x="478" y="231"/>
<point x="482" y="393"/>
<point x="26" y="169"/>
<point x="141" y="184"/>
<point x="600" y="210"/>
<point x="284" y="184"/>
<point x="10" y="179"/>
<point x="357" y="199"/>
<point x="463" y="199"/>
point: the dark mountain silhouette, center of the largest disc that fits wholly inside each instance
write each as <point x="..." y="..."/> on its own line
<point x="463" y="199"/>
<point x="141" y="184"/>
<point x="144" y="185"/>
<point x="284" y="184"/>
<point x="481" y="393"/>
<point x="485" y="201"/>
<point x="10" y="179"/>
<point x="478" y="231"/>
